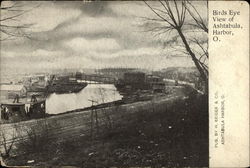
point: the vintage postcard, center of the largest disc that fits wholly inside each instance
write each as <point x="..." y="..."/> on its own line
<point x="124" y="83"/>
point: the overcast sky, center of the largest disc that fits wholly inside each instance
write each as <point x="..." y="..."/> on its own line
<point x="90" y="35"/>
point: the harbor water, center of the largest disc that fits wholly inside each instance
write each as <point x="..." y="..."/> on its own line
<point x="99" y="93"/>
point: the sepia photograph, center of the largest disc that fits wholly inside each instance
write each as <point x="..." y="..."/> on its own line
<point x="104" y="83"/>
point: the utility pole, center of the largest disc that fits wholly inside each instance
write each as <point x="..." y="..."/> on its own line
<point x="92" y="118"/>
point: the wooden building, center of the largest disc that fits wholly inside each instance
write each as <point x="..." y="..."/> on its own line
<point x="134" y="78"/>
<point x="9" y="91"/>
<point x="156" y="83"/>
<point x="22" y="110"/>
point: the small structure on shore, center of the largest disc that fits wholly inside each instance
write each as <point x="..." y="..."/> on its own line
<point x="134" y="78"/>
<point x="156" y="83"/>
<point x="22" y="109"/>
<point x="133" y="81"/>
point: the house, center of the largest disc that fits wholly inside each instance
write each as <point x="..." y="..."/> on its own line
<point x="156" y="83"/>
<point x="153" y="79"/>
<point x="132" y="81"/>
<point x="134" y="78"/>
<point x="10" y="91"/>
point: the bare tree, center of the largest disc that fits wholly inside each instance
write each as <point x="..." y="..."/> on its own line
<point x="108" y="119"/>
<point x="7" y="145"/>
<point x="172" y="16"/>
<point x="193" y="12"/>
<point x="11" y="25"/>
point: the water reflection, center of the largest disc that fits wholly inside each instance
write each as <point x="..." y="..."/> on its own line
<point x="101" y="93"/>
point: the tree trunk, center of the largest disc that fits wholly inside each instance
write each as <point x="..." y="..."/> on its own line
<point x="196" y="62"/>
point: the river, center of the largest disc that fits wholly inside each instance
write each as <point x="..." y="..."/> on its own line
<point x="100" y="93"/>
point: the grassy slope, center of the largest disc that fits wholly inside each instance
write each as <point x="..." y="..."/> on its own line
<point x="176" y="137"/>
